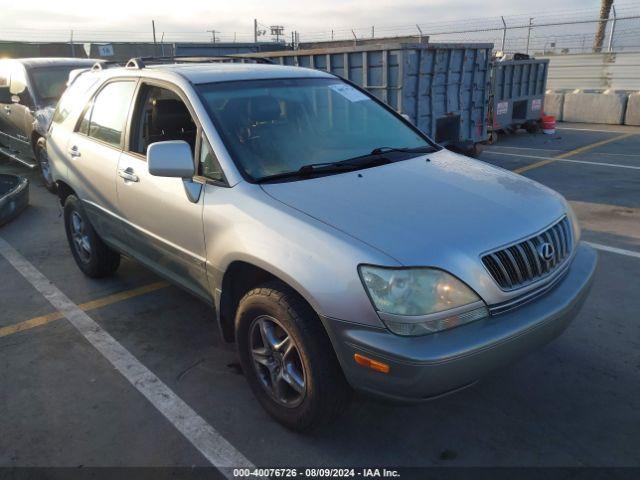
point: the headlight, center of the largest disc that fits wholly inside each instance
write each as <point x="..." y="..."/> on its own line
<point x="417" y="301"/>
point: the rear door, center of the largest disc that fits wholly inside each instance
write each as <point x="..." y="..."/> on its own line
<point x="163" y="226"/>
<point x="92" y="153"/>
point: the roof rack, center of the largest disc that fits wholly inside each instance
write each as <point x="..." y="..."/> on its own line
<point x="142" y="62"/>
<point x="104" y="64"/>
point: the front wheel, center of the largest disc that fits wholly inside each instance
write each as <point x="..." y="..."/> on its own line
<point x="288" y="359"/>
<point x="45" y="167"/>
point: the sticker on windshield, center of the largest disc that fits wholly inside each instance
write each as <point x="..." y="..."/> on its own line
<point x="348" y="92"/>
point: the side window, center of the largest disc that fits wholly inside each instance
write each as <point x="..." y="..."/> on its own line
<point x="209" y="166"/>
<point x="72" y="95"/>
<point x="105" y="118"/>
<point x="161" y="115"/>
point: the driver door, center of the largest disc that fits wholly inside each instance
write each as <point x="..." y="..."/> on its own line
<point x="162" y="224"/>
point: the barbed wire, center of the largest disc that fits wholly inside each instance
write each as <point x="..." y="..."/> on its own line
<point x="574" y="32"/>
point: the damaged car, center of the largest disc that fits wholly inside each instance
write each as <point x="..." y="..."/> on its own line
<point x="29" y="91"/>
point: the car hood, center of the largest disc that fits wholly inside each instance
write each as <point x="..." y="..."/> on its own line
<point x="440" y="209"/>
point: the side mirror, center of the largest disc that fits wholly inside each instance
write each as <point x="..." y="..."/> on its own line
<point x="170" y="159"/>
<point x="5" y="95"/>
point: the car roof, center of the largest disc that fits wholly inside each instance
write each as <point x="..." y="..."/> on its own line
<point x="54" y="61"/>
<point x="220" y="72"/>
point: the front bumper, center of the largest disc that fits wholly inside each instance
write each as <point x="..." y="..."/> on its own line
<point x="432" y="365"/>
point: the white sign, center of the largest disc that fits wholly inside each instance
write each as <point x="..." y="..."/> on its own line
<point x="348" y="92"/>
<point x="536" y="104"/>
<point x="502" y="108"/>
<point x="105" y="50"/>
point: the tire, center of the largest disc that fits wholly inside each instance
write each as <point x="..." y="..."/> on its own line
<point x="92" y="255"/>
<point x="44" y="166"/>
<point x="325" y="393"/>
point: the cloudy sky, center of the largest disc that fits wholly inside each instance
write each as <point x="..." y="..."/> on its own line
<point x="190" y="19"/>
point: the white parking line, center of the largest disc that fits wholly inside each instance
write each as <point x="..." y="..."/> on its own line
<point x="568" y="160"/>
<point x="592" y="130"/>
<point x="215" y="448"/>
<point x="619" y="251"/>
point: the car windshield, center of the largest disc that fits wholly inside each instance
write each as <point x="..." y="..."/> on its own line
<point x="50" y="82"/>
<point x="274" y="127"/>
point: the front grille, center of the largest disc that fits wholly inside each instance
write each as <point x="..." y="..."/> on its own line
<point x="523" y="263"/>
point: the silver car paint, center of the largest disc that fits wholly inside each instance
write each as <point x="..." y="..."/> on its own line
<point x="312" y="234"/>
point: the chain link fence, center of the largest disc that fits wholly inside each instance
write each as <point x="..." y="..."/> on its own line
<point x="558" y="32"/>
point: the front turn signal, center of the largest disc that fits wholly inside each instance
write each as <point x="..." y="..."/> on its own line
<point x="371" y="363"/>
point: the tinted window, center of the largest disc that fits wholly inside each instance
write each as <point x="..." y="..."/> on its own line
<point x="72" y="95"/>
<point x="49" y="83"/>
<point x="209" y="166"/>
<point x="109" y="113"/>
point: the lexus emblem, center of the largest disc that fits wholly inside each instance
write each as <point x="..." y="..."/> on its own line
<point x="546" y="251"/>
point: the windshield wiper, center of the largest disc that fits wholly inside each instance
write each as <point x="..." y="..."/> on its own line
<point x="422" y="149"/>
<point x="376" y="157"/>
<point x="311" y="169"/>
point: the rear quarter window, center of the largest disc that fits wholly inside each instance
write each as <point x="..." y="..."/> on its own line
<point x="74" y="96"/>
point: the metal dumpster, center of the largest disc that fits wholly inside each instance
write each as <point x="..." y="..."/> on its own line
<point x="518" y="88"/>
<point x="443" y="88"/>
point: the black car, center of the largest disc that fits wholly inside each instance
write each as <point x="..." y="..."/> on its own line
<point x="29" y="91"/>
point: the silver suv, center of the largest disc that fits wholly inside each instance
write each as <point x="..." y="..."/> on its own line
<point x="340" y="248"/>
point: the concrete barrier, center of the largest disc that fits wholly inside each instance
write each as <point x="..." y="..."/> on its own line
<point x="554" y="103"/>
<point x="632" y="116"/>
<point x="607" y="107"/>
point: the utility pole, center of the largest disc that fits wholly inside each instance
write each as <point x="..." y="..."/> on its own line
<point x="73" y="49"/>
<point x="155" y="45"/>
<point x="213" y="35"/>
<point x="255" y="30"/>
<point x="277" y="31"/>
<point x="373" y="31"/>
<point x="529" y="34"/>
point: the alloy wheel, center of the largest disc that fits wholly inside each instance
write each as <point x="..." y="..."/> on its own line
<point x="277" y="361"/>
<point x="80" y="238"/>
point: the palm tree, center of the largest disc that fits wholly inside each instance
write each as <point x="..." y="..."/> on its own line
<point x="605" y="9"/>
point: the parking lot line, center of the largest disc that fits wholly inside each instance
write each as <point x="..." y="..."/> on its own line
<point x="547" y="160"/>
<point x="100" y="302"/>
<point x="571" y="153"/>
<point x="206" y="439"/>
<point x="619" y="251"/>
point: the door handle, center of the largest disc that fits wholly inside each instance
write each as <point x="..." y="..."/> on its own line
<point x="128" y="174"/>
<point x="7" y="108"/>
<point x="74" y="152"/>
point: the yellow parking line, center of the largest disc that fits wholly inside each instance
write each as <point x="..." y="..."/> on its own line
<point x="571" y="153"/>
<point x="100" y="302"/>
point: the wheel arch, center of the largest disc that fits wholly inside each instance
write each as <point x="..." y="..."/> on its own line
<point x="63" y="190"/>
<point x="240" y="277"/>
